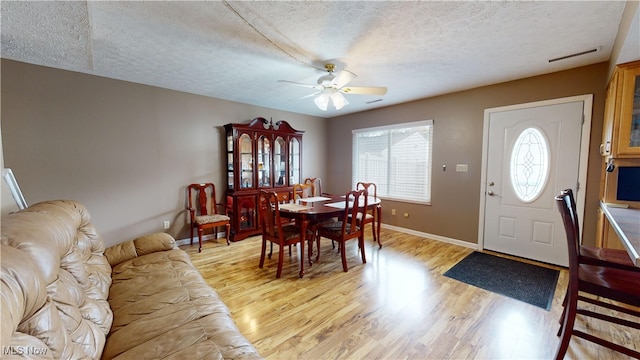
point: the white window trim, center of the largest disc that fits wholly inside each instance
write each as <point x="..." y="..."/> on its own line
<point x="392" y="127"/>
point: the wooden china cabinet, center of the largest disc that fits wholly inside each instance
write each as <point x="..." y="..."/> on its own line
<point x="261" y="155"/>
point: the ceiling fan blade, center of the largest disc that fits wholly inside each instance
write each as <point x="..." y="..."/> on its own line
<point x="343" y="78"/>
<point x="310" y="95"/>
<point x="299" y="84"/>
<point x="365" y="90"/>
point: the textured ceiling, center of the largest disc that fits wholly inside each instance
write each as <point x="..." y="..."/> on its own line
<point x="415" y="49"/>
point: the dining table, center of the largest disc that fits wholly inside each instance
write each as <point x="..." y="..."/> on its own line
<point x="313" y="210"/>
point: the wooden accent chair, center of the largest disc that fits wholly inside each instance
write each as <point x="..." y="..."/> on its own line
<point x="203" y="211"/>
<point x="346" y="227"/>
<point x="374" y="215"/>
<point x="303" y="190"/>
<point x="275" y="232"/>
<point x="601" y="281"/>
<point x="317" y="183"/>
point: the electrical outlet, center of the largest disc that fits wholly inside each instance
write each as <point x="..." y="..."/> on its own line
<point x="393" y="211"/>
<point x="166" y="224"/>
<point x="462" y="167"/>
<point x="406" y="215"/>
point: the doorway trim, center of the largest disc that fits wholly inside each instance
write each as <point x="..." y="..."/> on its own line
<point x="587" y="109"/>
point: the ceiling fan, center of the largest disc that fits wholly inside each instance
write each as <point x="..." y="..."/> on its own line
<point x="332" y="86"/>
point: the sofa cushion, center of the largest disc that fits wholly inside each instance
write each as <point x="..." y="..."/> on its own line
<point x="55" y="281"/>
<point x="140" y="246"/>
<point x="163" y="308"/>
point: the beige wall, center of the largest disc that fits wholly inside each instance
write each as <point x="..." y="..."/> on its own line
<point x="458" y="126"/>
<point x="125" y="150"/>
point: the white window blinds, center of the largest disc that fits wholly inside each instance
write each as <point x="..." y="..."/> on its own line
<point x="397" y="158"/>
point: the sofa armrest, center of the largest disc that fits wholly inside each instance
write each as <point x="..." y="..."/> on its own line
<point x="140" y="246"/>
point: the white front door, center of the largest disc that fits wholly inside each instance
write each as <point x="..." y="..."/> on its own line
<point x="531" y="153"/>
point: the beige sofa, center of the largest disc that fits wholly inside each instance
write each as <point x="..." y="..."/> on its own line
<point x="64" y="296"/>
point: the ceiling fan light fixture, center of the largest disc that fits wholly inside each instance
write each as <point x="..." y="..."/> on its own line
<point x="322" y="101"/>
<point x="333" y="95"/>
<point x="339" y="101"/>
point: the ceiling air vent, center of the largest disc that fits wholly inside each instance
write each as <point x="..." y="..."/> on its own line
<point x="574" y="55"/>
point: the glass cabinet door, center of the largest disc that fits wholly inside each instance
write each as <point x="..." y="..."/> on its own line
<point x="634" y="127"/>
<point x="629" y="133"/>
<point x="294" y="161"/>
<point x="279" y="162"/>
<point x="264" y="162"/>
<point x="245" y="146"/>
<point x="230" y="173"/>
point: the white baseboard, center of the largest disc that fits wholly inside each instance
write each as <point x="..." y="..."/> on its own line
<point x="432" y="236"/>
<point x="221" y="235"/>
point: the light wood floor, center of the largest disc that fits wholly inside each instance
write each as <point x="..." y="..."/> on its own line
<point x="396" y="306"/>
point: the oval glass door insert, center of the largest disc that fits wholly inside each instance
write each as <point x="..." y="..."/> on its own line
<point x="529" y="164"/>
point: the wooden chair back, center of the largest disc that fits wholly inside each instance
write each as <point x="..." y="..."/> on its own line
<point x="303" y="191"/>
<point x="201" y="199"/>
<point x="317" y="183"/>
<point x="350" y="225"/>
<point x="374" y="214"/>
<point x="283" y="197"/>
<point x="371" y="188"/>
<point x="269" y="214"/>
<point x="570" y="221"/>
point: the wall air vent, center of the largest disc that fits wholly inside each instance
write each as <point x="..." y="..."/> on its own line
<point x="574" y="55"/>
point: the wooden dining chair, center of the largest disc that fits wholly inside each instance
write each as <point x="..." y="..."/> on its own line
<point x="303" y="190"/>
<point x="346" y="227"/>
<point x="284" y="197"/>
<point x="604" y="283"/>
<point x="276" y="233"/>
<point x="614" y="258"/>
<point x="372" y="215"/>
<point x="317" y="183"/>
<point x="203" y="211"/>
<point x="597" y="255"/>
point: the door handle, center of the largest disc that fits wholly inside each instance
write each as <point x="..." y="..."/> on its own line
<point x="490" y="193"/>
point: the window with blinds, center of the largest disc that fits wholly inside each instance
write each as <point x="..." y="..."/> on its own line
<point x="397" y="158"/>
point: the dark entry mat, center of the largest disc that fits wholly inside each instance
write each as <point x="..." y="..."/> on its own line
<point x="521" y="281"/>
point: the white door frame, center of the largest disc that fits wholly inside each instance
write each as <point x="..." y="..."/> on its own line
<point x="584" y="153"/>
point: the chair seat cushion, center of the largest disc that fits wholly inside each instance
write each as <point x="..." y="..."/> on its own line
<point x="209" y="219"/>
<point x="334" y="229"/>
<point x="366" y="217"/>
<point x="292" y="231"/>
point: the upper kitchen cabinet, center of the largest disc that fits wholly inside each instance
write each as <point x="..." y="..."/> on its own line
<point x="621" y="132"/>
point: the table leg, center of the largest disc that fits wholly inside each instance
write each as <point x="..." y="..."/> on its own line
<point x="304" y="223"/>
<point x="302" y="257"/>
